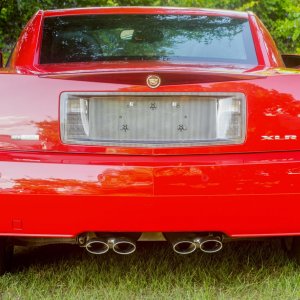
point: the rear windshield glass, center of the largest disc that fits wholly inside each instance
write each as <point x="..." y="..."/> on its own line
<point x="90" y="38"/>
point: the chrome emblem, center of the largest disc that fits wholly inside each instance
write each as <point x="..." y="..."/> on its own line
<point x="279" y="137"/>
<point x="153" y="81"/>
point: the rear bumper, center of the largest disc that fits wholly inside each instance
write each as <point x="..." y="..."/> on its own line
<point x="245" y="195"/>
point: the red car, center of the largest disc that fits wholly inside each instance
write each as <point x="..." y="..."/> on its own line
<point x="126" y="124"/>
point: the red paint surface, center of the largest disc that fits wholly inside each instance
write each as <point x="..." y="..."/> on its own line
<point x="64" y="195"/>
<point x="48" y="188"/>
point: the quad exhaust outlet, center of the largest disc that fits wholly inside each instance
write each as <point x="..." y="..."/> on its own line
<point x="182" y="244"/>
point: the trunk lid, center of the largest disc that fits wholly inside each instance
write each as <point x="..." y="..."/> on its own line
<point x="31" y="119"/>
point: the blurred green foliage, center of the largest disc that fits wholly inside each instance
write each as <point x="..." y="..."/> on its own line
<point x="281" y="17"/>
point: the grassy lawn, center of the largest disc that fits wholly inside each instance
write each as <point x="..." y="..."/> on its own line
<point x="242" y="270"/>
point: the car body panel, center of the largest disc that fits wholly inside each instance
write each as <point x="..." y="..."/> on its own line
<point x="65" y="195"/>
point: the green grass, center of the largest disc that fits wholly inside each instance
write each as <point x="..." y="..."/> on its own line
<point x="242" y="270"/>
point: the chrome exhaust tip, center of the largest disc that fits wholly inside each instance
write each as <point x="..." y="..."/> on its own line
<point x="184" y="247"/>
<point x="123" y="246"/>
<point x="211" y="244"/>
<point x="96" y="246"/>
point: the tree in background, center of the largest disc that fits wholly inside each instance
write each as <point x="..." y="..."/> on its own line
<point x="281" y="17"/>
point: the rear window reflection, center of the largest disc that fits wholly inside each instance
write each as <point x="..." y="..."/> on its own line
<point x="91" y="38"/>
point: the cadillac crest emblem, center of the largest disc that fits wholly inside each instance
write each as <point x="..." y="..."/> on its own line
<point x="153" y="81"/>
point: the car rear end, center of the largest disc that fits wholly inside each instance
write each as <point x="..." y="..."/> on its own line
<point x="148" y="124"/>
